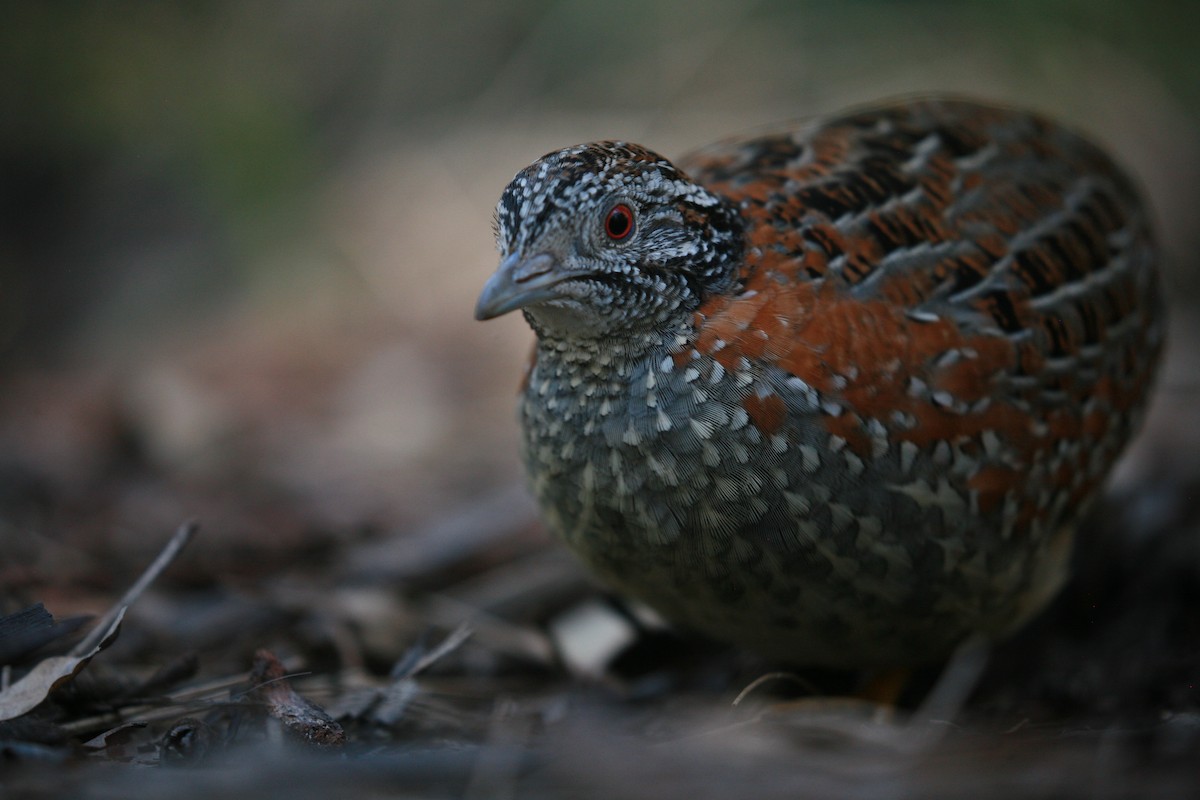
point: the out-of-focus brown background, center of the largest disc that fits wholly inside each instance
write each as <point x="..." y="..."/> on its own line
<point x="240" y="242"/>
<point x="240" y="245"/>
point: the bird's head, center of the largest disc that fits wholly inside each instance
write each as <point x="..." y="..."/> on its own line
<point x="608" y="239"/>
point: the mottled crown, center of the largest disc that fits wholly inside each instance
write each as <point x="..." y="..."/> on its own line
<point x="677" y="241"/>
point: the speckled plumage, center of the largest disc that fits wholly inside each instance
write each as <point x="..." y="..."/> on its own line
<point x="843" y="391"/>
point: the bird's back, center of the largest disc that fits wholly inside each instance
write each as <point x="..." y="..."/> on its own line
<point x="961" y="273"/>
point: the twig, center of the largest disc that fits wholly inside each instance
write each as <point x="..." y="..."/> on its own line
<point x="773" y="676"/>
<point x="448" y="645"/>
<point x="182" y="536"/>
<point x="948" y="696"/>
<point x="206" y="695"/>
<point x="299" y="715"/>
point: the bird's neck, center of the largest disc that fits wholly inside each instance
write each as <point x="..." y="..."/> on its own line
<point x="604" y="357"/>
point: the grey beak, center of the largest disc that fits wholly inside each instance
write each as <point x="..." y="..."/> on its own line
<point x="519" y="282"/>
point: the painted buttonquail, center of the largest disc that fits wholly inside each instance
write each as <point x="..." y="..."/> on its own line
<point x="840" y="392"/>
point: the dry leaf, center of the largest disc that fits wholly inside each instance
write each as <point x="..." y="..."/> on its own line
<point x="25" y="695"/>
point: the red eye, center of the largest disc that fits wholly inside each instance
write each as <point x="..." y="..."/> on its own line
<point x="619" y="222"/>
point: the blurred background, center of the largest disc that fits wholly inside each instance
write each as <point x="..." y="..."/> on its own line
<point x="240" y="242"/>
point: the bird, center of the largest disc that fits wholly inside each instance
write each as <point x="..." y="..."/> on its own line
<point x="838" y="392"/>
